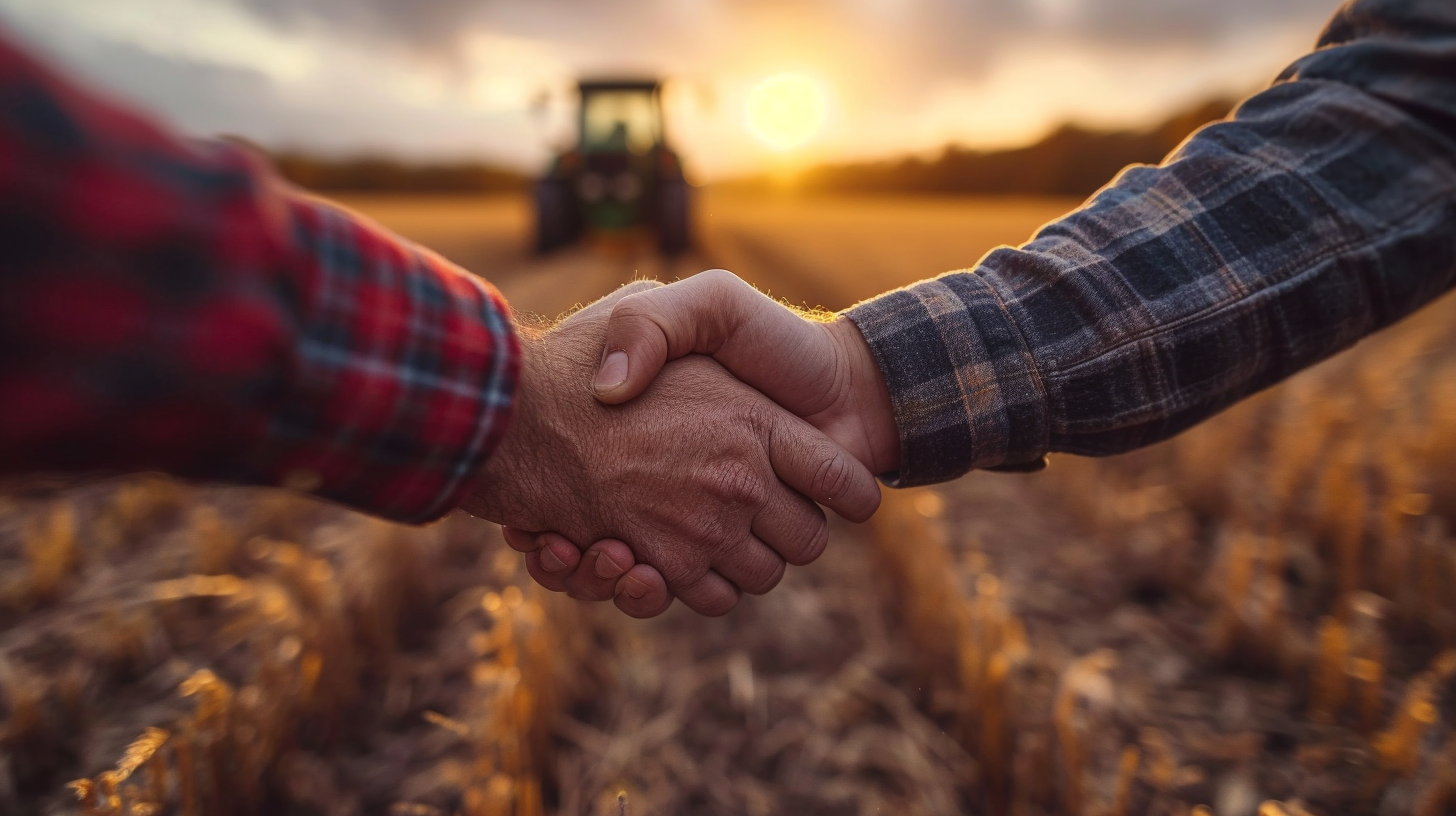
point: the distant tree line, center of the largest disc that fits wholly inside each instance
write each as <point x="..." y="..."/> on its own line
<point x="1072" y="160"/>
<point x="382" y="175"/>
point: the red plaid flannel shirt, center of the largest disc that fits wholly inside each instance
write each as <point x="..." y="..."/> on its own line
<point x="172" y="306"/>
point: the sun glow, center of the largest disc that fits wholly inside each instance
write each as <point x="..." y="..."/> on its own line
<point x="786" y="111"/>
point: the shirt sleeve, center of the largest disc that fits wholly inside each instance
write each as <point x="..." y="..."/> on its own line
<point x="1321" y="211"/>
<point x="173" y="306"/>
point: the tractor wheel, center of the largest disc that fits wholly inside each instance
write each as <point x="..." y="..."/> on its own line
<point x="673" y="217"/>
<point x="557" y="220"/>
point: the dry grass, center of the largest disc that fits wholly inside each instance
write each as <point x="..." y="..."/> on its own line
<point x="235" y="652"/>
<point x="1254" y="617"/>
<point x="1307" y="535"/>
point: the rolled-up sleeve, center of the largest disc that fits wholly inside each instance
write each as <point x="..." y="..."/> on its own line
<point x="1322" y="210"/>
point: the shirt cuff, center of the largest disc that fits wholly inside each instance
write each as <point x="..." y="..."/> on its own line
<point x="963" y="384"/>
<point x="406" y="371"/>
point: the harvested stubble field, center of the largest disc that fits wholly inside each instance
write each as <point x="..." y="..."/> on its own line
<point x="1255" y="617"/>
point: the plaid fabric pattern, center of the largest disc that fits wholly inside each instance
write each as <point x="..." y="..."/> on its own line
<point x="171" y="306"/>
<point x="407" y="371"/>
<point x="1323" y="210"/>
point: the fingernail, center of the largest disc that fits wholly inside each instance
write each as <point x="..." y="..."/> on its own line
<point x="612" y="373"/>
<point x="606" y="568"/>
<point x="550" y="562"/>
<point x="634" y="588"/>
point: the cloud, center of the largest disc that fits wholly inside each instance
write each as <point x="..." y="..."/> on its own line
<point x="456" y="77"/>
<point x="348" y="101"/>
<point x="420" y="23"/>
<point x="1187" y="21"/>
<point x="897" y="55"/>
<point x="198" y="96"/>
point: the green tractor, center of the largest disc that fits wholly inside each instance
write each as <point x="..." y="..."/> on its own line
<point x="621" y="178"/>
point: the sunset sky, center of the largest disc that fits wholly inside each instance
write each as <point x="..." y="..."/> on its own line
<point x="460" y="78"/>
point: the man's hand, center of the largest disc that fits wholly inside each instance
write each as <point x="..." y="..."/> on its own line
<point x="821" y="371"/>
<point x="702" y="476"/>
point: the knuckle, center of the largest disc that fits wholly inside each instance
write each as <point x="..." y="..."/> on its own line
<point x="716" y="537"/>
<point x="760" y="416"/>
<point x="767" y="578"/>
<point x="702" y="529"/>
<point x="738" y="483"/>
<point x="633" y="308"/>
<point x="715" y="602"/>
<point x="814" y="545"/>
<point x="720" y="279"/>
<point x="730" y="297"/>
<point x="642" y="318"/>
<point x="833" y="477"/>
<point x="683" y="572"/>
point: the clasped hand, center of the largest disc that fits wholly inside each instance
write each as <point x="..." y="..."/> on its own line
<point x="687" y="480"/>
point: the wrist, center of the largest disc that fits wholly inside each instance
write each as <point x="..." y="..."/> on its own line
<point x="871" y="396"/>
<point x="510" y="486"/>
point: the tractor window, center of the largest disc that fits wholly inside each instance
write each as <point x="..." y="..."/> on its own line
<point x="619" y="120"/>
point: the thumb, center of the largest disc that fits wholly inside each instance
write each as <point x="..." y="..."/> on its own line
<point x="607" y="302"/>
<point x="718" y="314"/>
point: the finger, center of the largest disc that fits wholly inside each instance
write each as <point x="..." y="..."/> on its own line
<point x="718" y="314"/>
<point x="552" y="557"/>
<point x="711" y="595"/>
<point x="558" y="555"/>
<point x="642" y="593"/>
<point x="556" y="582"/>
<point x="521" y="540"/>
<point x="752" y="567"/>
<point x="554" y="562"/>
<point x="793" y="526"/>
<point x="809" y="462"/>
<point x="602" y="566"/>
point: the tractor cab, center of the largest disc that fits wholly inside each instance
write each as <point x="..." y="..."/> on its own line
<point x="620" y="117"/>
<point x="621" y="176"/>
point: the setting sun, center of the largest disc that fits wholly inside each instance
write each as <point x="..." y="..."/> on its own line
<point x="786" y="111"/>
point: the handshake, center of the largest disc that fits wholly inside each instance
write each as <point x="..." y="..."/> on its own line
<point x="677" y="441"/>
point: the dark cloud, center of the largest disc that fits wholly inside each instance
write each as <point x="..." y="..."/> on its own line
<point x="1195" y="21"/>
<point x="423" y="23"/>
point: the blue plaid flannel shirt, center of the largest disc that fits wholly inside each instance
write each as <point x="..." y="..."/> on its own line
<point x="1321" y="211"/>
